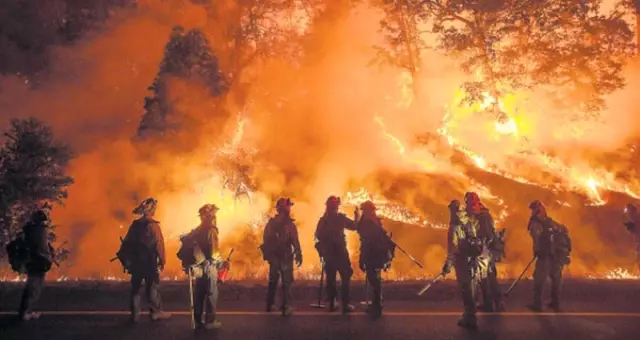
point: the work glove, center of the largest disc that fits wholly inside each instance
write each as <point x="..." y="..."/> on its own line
<point x="362" y="266"/>
<point x="299" y="260"/>
<point x="226" y="265"/>
<point x="446" y="268"/>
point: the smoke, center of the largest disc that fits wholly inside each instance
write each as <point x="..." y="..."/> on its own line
<point x="327" y="124"/>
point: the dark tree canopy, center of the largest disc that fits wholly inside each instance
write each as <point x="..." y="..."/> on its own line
<point x="403" y="37"/>
<point x="567" y="46"/>
<point x="32" y="169"/>
<point x="29" y="28"/>
<point x="187" y="56"/>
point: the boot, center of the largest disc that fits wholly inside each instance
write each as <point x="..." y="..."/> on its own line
<point x="468" y="323"/>
<point x="287" y="310"/>
<point x="160" y="315"/>
<point x="332" y="305"/>
<point x="348" y="308"/>
<point x="28" y="316"/>
<point x="271" y="308"/>
<point x="555" y="306"/>
<point x="213" y="325"/>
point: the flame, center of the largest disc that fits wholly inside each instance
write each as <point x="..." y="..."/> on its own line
<point x="616" y="274"/>
<point x="393" y="211"/>
<point x="590" y="182"/>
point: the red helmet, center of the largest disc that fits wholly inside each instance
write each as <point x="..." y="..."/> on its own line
<point x="471" y="197"/>
<point x="333" y="201"/>
<point x="368" y="206"/>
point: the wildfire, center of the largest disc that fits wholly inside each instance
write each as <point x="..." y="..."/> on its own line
<point x="581" y="179"/>
<point x="617" y="274"/>
<point x="392" y="211"/>
<point x="411" y="157"/>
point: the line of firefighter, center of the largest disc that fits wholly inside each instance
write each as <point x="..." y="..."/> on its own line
<point x="474" y="248"/>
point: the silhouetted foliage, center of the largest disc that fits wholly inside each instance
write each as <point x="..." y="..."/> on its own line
<point x="188" y="56"/>
<point x="404" y="40"/>
<point x="569" y="47"/>
<point x="32" y="170"/>
<point x="29" y="28"/>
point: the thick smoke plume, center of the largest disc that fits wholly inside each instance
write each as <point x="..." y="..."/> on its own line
<point x="329" y="123"/>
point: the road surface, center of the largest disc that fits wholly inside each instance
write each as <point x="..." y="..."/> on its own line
<point x="96" y="311"/>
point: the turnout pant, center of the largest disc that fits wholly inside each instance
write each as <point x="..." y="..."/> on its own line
<point x="32" y="290"/>
<point x="206" y="296"/>
<point x="546" y="267"/>
<point x="151" y="279"/>
<point x="467" y="286"/>
<point x="374" y="278"/>
<point x="277" y="270"/>
<point x="491" y="294"/>
<point x="338" y="263"/>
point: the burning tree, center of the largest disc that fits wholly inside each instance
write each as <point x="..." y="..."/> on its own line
<point x="32" y="169"/>
<point x="187" y="56"/>
<point x="568" y="45"/>
<point x="403" y="37"/>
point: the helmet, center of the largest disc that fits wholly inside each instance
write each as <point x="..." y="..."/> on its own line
<point x="208" y="210"/>
<point x="537" y="207"/>
<point x="368" y="206"/>
<point x="283" y="202"/>
<point x="471" y="197"/>
<point x="333" y="201"/>
<point x="454" y="205"/>
<point x="147" y="206"/>
<point x="39" y="216"/>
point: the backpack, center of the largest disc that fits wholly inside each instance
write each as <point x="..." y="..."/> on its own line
<point x="190" y="253"/>
<point x="18" y="254"/>
<point x="136" y="250"/>
<point x="560" y="243"/>
<point x="276" y="240"/>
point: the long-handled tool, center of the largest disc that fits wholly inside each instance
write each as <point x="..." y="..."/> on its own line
<point x="413" y="259"/>
<point x="319" y="304"/>
<point x="440" y="277"/>
<point x="193" y="317"/>
<point x="513" y="285"/>
<point x="222" y="274"/>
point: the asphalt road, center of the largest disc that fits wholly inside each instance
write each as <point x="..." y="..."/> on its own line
<point x="311" y="326"/>
<point x="592" y="310"/>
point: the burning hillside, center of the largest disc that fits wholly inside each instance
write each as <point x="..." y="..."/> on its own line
<point x="285" y="102"/>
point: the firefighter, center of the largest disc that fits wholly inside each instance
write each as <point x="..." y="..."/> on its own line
<point x="552" y="248"/>
<point x="40" y="257"/>
<point x="469" y="257"/>
<point x="633" y="226"/>
<point x="376" y="253"/>
<point x="205" y="236"/>
<point x="280" y="248"/>
<point x="491" y="294"/>
<point x="143" y="253"/>
<point x="332" y="248"/>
